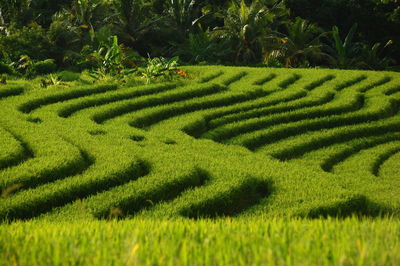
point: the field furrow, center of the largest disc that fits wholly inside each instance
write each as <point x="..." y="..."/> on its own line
<point x="367" y="160"/>
<point x="299" y="145"/>
<point x="347" y="103"/>
<point x="167" y="178"/>
<point x="10" y="91"/>
<point x="282" y="94"/>
<point x="123" y="107"/>
<point x="389" y="169"/>
<point x="374" y="109"/>
<point x="155" y="115"/>
<point x="115" y="96"/>
<point x="12" y="150"/>
<point x="32" y="202"/>
<point x="329" y="157"/>
<point x="318" y="97"/>
<point x="51" y="97"/>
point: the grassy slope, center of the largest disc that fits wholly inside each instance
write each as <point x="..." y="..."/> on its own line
<point x="105" y="147"/>
<point x="309" y="143"/>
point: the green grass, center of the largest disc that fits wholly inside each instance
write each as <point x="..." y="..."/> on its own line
<point x="265" y="147"/>
<point x="206" y="242"/>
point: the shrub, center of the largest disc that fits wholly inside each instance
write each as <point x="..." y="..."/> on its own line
<point x="68" y="76"/>
<point x="31" y="41"/>
<point x="6" y="68"/>
<point x="159" y="67"/>
<point x="201" y="47"/>
<point x="42" y="67"/>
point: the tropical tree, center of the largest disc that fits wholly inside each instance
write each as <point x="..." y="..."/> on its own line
<point x="88" y="16"/>
<point x="373" y="56"/>
<point x="343" y="53"/>
<point x="299" y="46"/>
<point x="202" y="47"/>
<point x="134" y="21"/>
<point x="17" y="12"/>
<point x="247" y="27"/>
<point x="91" y="13"/>
<point x="182" y="14"/>
<point x="80" y="28"/>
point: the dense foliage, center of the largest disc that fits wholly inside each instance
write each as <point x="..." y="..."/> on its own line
<point x="284" y="33"/>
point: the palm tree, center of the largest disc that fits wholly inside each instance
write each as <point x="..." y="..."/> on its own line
<point x="85" y="17"/>
<point x="133" y="20"/>
<point x="201" y="47"/>
<point x="184" y="16"/>
<point x="301" y="44"/>
<point x="182" y="13"/>
<point x="89" y="13"/>
<point x="247" y="28"/>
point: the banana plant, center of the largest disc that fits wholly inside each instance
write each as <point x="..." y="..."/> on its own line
<point x="344" y="53"/>
<point x="159" y="67"/>
<point x="109" y="58"/>
<point x="373" y="57"/>
<point x="112" y="60"/>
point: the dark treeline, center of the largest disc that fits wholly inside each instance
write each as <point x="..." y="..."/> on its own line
<point x="351" y="34"/>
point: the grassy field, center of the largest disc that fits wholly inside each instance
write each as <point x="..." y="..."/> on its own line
<point x="269" y="148"/>
<point x="205" y="242"/>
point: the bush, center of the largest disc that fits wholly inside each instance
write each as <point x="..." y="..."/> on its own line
<point x="6" y="68"/>
<point x="31" y="41"/>
<point x="43" y="67"/>
<point x="200" y="47"/>
<point x="68" y="76"/>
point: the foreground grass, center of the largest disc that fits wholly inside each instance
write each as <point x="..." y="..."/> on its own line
<point x="205" y="242"/>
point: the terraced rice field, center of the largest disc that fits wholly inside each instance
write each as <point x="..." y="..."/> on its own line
<point x="242" y="142"/>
